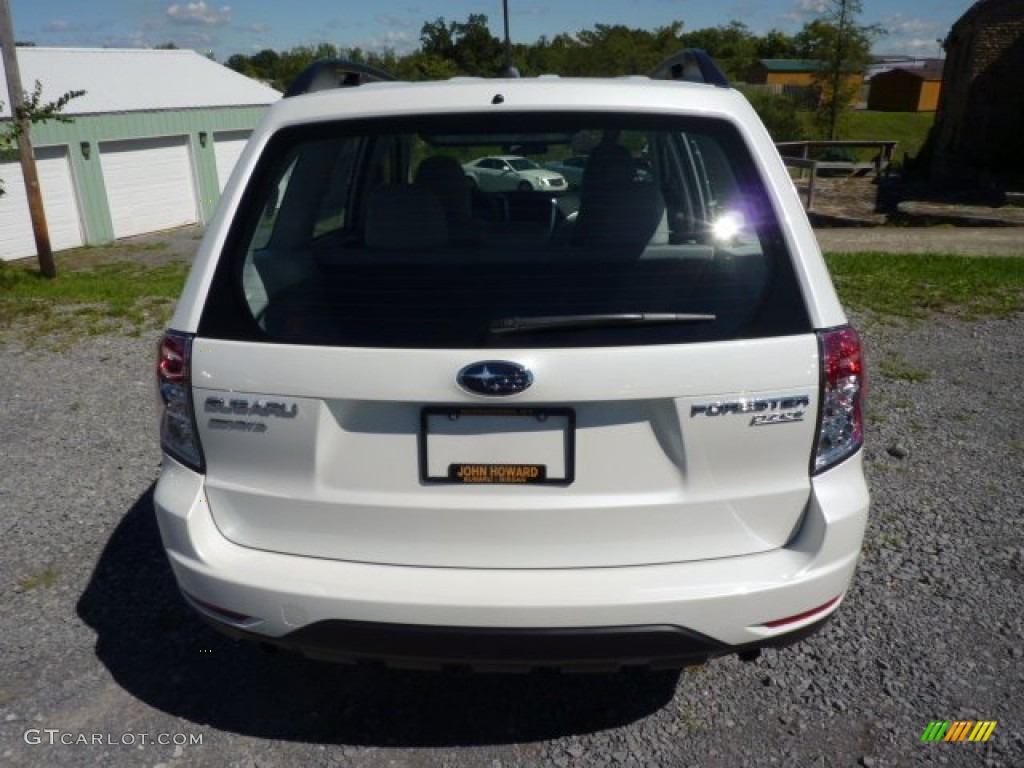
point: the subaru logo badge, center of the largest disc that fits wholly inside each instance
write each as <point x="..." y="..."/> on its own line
<point x="494" y="377"/>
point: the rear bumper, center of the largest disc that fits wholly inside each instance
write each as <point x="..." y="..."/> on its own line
<point x="671" y="613"/>
<point x="490" y="648"/>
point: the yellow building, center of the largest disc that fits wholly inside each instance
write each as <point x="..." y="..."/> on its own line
<point x="787" y="74"/>
<point x="906" y="89"/>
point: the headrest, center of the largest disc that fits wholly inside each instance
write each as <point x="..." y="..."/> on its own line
<point x="444" y="176"/>
<point x="609" y="164"/>
<point x="401" y="216"/>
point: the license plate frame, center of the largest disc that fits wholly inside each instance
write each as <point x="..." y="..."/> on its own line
<point x="549" y="425"/>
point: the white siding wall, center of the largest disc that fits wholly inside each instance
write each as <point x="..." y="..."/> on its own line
<point x="63" y="215"/>
<point x="150" y="184"/>
<point x="227" y="146"/>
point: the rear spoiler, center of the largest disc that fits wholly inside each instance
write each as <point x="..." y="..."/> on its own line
<point x="692" y="65"/>
<point x="325" y="74"/>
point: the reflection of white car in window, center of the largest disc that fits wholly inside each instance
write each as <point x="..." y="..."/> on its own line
<point x="502" y="173"/>
<point x="570" y="167"/>
<point x="573" y="167"/>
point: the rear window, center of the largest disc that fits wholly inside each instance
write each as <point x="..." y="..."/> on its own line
<point x="451" y="232"/>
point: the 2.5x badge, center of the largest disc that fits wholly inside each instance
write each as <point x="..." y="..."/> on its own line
<point x="765" y="411"/>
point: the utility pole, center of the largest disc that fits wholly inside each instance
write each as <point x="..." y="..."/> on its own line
<point x="509" y="70"/>
<point x="16" y="99"/>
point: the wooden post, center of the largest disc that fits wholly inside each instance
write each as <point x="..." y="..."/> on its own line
<point x="16" y="98"/>
<point x="810" y="185"/>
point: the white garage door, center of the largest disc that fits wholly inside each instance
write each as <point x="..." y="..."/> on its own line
<point x="150" y="184"/>
<point x="63" y="218"/>
<point x="227" y="146"/>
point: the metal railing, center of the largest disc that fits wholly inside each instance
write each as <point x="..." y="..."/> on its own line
<point x="797" y="154"/>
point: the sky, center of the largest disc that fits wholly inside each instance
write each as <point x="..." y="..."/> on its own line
<point x="226" y="27"/>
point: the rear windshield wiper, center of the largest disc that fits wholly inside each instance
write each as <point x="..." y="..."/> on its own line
<point x="601" y="320"/>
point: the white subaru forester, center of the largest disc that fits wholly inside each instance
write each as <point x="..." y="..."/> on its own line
<point x="406" y="419"/>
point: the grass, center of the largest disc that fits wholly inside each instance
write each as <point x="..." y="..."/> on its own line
<point x="919" y="285"/>
<point x="129" y="297"/>
<point x="892" y="541"/>
<point x="897" y="369"/>
<point x="89" y="299"/>
<point x="45" y="579"/>
<point x="910" y="129"/>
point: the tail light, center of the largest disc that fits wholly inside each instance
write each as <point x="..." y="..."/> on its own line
<point x="178" y="435"/>
<point x="841" y="428"/>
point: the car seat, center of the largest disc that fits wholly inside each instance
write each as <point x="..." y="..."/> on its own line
<point x="616" y="209"/>
<point x="443" y="176"/>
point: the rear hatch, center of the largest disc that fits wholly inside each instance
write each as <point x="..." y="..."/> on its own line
<point x="650" y="455"/>
<point x="392" y="370"/>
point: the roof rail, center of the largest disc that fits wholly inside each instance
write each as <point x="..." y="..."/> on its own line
<point x="692" y="65"/>
<point x="325" y="74"/>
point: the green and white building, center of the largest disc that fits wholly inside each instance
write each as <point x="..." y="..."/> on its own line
<point x="151" y="145"/>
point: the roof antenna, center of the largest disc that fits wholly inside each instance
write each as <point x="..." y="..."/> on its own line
<point x="508" y="69"/>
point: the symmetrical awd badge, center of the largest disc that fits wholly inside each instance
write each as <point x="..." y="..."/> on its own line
<point x="495" y="378"/>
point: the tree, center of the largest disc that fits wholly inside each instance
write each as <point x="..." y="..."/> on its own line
<point x="240" y="63"/>
<point x="264" y="64"/>
<point x="451" y="48"/>
<point x="733" y="46"/>
<point x="775" y="44"/>
<point x="421" y="66"/>
<point x="33" y="110"/>
<point x="844" y="49"/>
<point x="546" y="56"/>
<point x="777" y="112"/>
<point x="469" y="45"/>
<point x="25" y="111"/>
<point x="611" y="50"/>
<point x="294" y="61"/>
<point x="437" y="38"/>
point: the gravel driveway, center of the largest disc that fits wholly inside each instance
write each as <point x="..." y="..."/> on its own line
<point x="968" y="241"/>
<point x="98" y="650"/>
